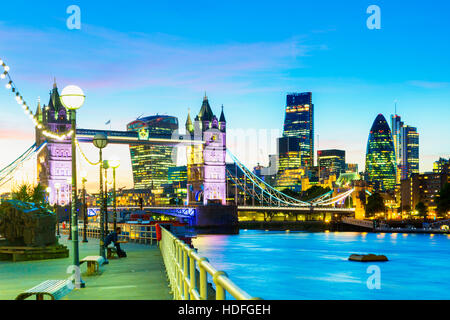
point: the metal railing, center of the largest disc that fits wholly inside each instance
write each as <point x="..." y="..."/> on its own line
<point x="186" y="281"/>
<point x="137" y="233"/>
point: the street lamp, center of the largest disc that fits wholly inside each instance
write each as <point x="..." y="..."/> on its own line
<point x="69" y="181"/>
<point x="114" y="163"/>
<point x="105" y="200"/>
<point x="57" y="186"/>
<point x="83" y="181"/>
<point x="101" y="141"/>
<point x="72" y="98"/>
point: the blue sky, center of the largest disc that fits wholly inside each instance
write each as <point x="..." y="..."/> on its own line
<point x="152" y="57"/>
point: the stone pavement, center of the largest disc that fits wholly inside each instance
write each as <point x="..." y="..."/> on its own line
<point x="140" y="276"/>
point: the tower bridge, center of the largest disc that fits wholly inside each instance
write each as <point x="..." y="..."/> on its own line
<point x="205" y="141"/>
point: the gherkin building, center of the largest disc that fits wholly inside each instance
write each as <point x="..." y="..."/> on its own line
<point x="380" y="156"/>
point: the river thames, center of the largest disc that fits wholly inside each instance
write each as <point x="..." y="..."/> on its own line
<point x="277" y="265"/>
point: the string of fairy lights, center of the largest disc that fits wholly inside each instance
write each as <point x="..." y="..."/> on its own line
<point x="26" y="109"/>
<point x="84" y="155"/>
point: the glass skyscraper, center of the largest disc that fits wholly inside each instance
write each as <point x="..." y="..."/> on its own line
<point x="151" y="163"/>
<point x="406" y="144"/>
<point x="289" y="163"/>
<point x="333" y="160"/>
<point x="299" y="122"/>
<point x="410" y="152"/>
<point x="380" y="156"/>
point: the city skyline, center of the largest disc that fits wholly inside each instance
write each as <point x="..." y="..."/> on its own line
<point x="347" y="95"/>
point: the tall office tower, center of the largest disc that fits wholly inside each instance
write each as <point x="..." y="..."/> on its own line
<point x="299" y="122"/>
<point x="380" y="156"/>
<point x="333" y="160"/>
<point x="54" y="163"/>
<point x="396" y="127"/>
<point x="410" y="152"/>
<point x="151" y="163"/>
<point x="206" y="162"/>
<point x="406" y="144"/>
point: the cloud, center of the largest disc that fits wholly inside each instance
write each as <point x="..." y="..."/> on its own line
<point x="100" y="58"/>
<point x="429" y="84"/>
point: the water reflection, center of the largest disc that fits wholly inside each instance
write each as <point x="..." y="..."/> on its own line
<point x="300" y="265"/>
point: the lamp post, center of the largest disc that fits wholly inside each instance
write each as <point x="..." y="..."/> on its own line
<point x="101" y="141"/>
<point x="69" y="181"/>
<point x="84" y="180"/>
<point x="72" y="98"/>
<point x="114" y="163"/>
<point x="57" y="186"/>
<point x="105" y="200"/>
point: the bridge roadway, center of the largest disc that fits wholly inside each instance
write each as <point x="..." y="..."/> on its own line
<point x="301" y="209"/>
<point x="189" y="211"/>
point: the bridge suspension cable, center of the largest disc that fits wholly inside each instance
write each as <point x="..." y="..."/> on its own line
<point x="7" y="173"/>
<point x="266" y="188"/>
<point x="336" y="199"/>
<point x="270" y="195"/>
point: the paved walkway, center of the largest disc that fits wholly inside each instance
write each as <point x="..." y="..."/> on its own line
<point x="140" y="276"/>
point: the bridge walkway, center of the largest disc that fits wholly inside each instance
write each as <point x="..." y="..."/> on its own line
<point x="140" y="276"/>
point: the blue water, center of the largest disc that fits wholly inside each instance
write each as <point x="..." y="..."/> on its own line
<point x="299" y="265"/>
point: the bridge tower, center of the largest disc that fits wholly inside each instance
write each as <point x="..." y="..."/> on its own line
<point x="359" y="199"/>
<point x="54" y="164"/>
<point x="206" y="163"/>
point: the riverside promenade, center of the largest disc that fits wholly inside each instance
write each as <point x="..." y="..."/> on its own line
<point x="140" y="276"/>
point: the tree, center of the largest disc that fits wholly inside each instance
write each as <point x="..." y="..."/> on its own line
<point x="28" y="193"/>
<point x="314" y="192"/>
<point x="375" y="204"/>
<point x="291" y="193"/>
<point x="422" y="210"/>
<point x="443" y="199"/>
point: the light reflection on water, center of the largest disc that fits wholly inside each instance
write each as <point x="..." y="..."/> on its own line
<point x="300" y="265"/>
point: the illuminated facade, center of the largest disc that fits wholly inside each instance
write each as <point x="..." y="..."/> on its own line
<point x="299" y="122"/>
<point x="289" y="156"/>
<point x="206" y="162"/>
<point x="54" y="163"/>
<point x="422" y="188"/>
<point x="290" y="179"/>
<point x="380" y="156"/>
<point x="442" y="165"/>
<point x="410" y="152"/>
<point x="406" y="145"/>
<point x="151" y="163"/>
<point x="333" y="160"/>
<point x="351" y="167"/>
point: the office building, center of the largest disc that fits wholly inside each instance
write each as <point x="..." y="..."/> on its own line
<point x="299" y="122"/>
<point x="406" y="145"/>
<point x="380" y="157"/>
<point x="333" y="160"/>
<point x="442" y="165"/>
<point x="151" y="163"/>
<point x="422" y="188"/>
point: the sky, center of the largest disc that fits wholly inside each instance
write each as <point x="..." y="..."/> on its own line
<point x="143" y="58"/>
